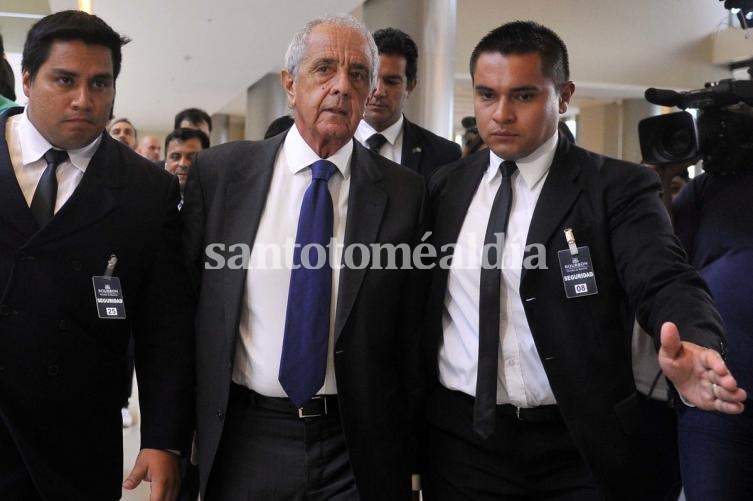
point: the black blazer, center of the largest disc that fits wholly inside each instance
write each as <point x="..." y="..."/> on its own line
<point x="376" y="350"/>
<point x="584" y="343"/>
<point x="61" y="366"/>
<point x="424" y="151"/>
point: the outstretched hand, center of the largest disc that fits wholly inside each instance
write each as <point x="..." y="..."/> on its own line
<point x="699" y="374"/>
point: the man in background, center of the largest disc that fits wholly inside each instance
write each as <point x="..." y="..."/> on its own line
<point x="384" y="129"/>
<point x="181" y="146"/>
<point x="149" y="147"/>
<point x="194" y="118"/>
<point x="121" y="129"/>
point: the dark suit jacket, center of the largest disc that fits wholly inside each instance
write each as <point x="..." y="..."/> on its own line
<point x="61" y="366"/>
<point x="376" y="350"/>
<point x="424" y="151"/>
<point x="584" y="343"/>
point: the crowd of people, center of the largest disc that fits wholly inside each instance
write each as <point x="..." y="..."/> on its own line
<point x="490" y="359"/>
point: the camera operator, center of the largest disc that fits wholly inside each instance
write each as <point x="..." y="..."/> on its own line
<point x="714" y="220"/>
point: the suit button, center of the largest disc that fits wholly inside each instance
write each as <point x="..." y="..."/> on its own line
<point x="63" y="325"/>
<point x="76" y="265"/>
<point x="53" y="370"/>
<point x="220" y="415"/>
<point x="5" y="310"/>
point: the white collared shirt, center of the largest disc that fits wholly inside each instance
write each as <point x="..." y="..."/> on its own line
<point x="393" y="148"/>
<point x="265" y="299"/>
<point x="27" y="146"/>
<point x="521" y="377"/>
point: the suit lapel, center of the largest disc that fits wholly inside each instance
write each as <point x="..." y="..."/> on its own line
<point x="558" y="195"/>
<point x="410" y="156"/>
<point x="246" y="196"/>
<point x="366" y="205"/>
<point x="452" y="202"/>
<point x="450" y="206"/>
<point x="93" y="198"/>
<point x="14" y="212"/>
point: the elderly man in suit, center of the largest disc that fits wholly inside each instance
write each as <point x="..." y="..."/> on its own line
<point x="89" y="235"/>
<point x="384" y="129"/>
<point x="552" y="251"/>
<point x="308" y="375"/>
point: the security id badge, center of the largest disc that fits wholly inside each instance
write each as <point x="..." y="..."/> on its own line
<point x="577" y="269"/>
<point x="108" y="294"/>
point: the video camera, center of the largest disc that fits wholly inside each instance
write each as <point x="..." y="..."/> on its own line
<point x="722" y="135"/>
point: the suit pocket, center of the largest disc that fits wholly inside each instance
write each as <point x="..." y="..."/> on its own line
<point x="628" y="412"/>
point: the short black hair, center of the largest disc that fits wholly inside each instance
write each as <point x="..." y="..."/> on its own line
<point x="525" y="37"/>
<point x="69" y="25"/>
<point x="183" y="134"/>
<point x="7" y="79"/>
<point x="279" y="125"/>
<point x="193" y="115"/>
<point x="394" y="42"/>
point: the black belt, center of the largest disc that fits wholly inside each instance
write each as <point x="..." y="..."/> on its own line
<point x="540" y="414"/>
<point x="319" y="405"/>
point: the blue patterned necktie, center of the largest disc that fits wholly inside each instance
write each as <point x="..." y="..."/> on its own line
<point x="485" y="408"/>
<point x="304" y="348"/>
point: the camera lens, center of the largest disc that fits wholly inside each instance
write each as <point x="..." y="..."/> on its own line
<point x="676" y="144"/>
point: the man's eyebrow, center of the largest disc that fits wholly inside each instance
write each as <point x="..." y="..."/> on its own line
<point x="522" y="88"/>
<point x="68" y="73"/>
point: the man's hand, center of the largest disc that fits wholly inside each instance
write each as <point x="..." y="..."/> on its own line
<point x="161" y="468"/>
<point x="698" y="373"/>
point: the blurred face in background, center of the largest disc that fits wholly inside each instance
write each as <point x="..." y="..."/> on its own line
<point x="125" y="133"/>
<point x="179" y="156"/>
<point x="150" y="147"/>
<point x="385" y="105"/>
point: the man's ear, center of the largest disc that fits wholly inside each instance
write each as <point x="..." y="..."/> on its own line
<point x="26" y="81"/>
<point x="412" y="85"/>
<point x="287" y="81"/>
<point x="566" y="93"/>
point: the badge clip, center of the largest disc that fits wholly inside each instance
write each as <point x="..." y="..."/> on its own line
<point x="571" y="241"/>
<point x="111" y="266"/>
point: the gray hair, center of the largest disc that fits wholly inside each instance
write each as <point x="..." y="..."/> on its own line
<point x="297" y="48"/>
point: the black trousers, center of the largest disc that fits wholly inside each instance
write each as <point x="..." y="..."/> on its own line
<point x="15" y="482"/>
<point x="268" y="455"/>
<point x="520" y="461"/>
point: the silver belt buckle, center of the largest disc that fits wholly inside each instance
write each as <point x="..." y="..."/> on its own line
<point x="302" y="415"/>
<point x="517" y="413"/>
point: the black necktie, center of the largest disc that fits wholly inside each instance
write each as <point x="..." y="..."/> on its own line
<point x="304" y="348"/>
<point x="375" y="142"/>
<point x="484" y="411"/>
<point x="43" y="202"/>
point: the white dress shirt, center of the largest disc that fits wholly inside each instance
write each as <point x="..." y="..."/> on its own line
<point x="393" y="148"/>
<point x="521" y="379"/>
<point x="265" y="299"/>
<point x="27" y="147"/>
